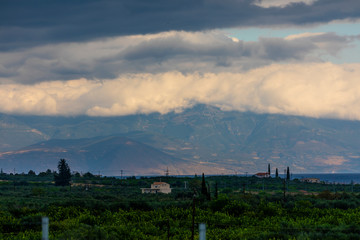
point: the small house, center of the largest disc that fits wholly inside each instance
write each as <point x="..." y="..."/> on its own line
<point x="157" y="187"/>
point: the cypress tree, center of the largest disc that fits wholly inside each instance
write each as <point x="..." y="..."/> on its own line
<point x="287" y="173"/>
<point x="203" y="186"/>
<point x="276" y="173"/>
<point x="269" y="169"/>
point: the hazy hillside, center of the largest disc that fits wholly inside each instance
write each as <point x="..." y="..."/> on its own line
<point x="104" y="155"/>
<point x="224" y="142"/>
<point x="16" y="133"/>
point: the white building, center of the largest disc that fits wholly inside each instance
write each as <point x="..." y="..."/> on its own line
<point x="157" y="187"/>
<point x="310" y="180"/>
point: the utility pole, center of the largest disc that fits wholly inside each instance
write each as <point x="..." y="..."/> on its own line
<point x="284" y="173"/>
<point x="193" y="219"/>
<point x="216" y="190"/>
<point x="263" y="182"/>
<point x="284" y="189"/>
<point x="14" y="179"/>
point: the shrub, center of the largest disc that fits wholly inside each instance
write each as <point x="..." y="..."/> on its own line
<point x="140" y="205"/>
<point x="236" y="208"/>
<point x="219" y="204"/>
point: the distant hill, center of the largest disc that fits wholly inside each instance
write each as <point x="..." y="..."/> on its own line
<point x="216" y="141"/>
<point x="104" y="155"/>
<point x="16" y="133"/>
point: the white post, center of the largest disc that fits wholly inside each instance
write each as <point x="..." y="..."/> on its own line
<point x="202" y="231"/>
<point x="45" y="228"/>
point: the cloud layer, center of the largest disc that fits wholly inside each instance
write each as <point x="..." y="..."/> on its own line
<point x="24" y="23"/>
<point x="314" y="90"/>
<point x="105" y="58"/>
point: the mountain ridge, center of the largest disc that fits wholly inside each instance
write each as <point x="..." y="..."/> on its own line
<point x="226" y="141"/>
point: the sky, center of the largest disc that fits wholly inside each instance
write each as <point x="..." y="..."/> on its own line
<point x="115" y="58"/>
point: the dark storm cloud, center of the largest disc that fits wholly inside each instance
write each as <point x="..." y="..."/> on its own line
<point x="27" y="23"/>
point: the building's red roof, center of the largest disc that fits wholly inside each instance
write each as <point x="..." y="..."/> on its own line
<point x="159" y="183"/>
<point x="261" y="174"/>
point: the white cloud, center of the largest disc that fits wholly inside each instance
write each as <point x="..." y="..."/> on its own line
<point x="281" y="3"/>
<point x="46" y="98"/>
<point x="303" y="35"/>
<point x="314" y="90"/>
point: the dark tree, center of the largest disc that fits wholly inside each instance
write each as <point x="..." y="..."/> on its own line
<point x="48" y="173"/>
<point x="31" y="172"/>
<point x="269" y="169"/>
<point x="203" y="186"/>
<point x="88" y="175"/>
<point x="287" y="173"/>
<point x="276" y="173"/>
<point x="63" y="178"/>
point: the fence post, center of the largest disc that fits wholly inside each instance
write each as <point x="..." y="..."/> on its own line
<point x="168" y="228"/>
<point x="202" y="231"/>
<point x="45" y="228"/>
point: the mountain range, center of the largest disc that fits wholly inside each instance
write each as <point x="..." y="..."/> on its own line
<point x="200" y="139"/>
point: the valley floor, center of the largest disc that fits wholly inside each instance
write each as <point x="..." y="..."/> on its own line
<point x="232" y="208"/>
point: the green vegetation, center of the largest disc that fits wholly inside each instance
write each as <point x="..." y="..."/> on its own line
<point x="95" y="207"/>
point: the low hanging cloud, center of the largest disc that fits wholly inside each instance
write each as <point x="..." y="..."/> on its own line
<point x="313" y="90"/>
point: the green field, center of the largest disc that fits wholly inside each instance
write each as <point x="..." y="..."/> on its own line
<point x="242" y="208"/>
